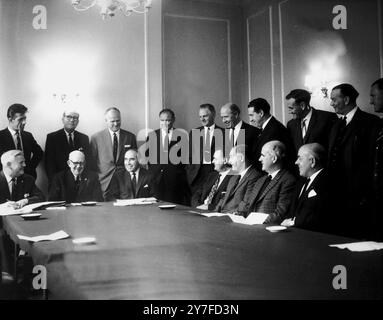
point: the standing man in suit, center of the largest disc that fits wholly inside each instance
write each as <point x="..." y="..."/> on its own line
<point x="309" y="125"/>
<point x="208" y="196"/>
<point x="62" y="142"/>
<point x="271" y="193"/>
<point x="311" y="200"/>
<point x="108" y="148"/>
<point x="168" y="153"/>
<point x="75" y="184"/>
<point x="237" y="131"/>
<point x="244" y="179"/>
<point x="14" y="137"/>
<point x="203" y="142"/>
<point x="351" y="160"/>
<point x="271" y="129"/>
<point x="136" y="181"/>
<point x="376" y="99"/>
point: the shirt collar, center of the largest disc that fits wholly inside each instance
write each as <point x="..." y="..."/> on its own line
<point x="112" y="133"/>
<point x="350" y="115"/>
<point x="313" y="176"/>
<point x="244" y="171"/>
<point x="212" y="127"/>
<point x="274" y="174"/>
<point x="266" y="122"/>
<point x="9" y="178"/>
<point x="13" y="132"/>
<point x="67" y="133"/>
<point x="136" y="172"/>
<point x="238" y="125"/>
<point x="308" y="117"/>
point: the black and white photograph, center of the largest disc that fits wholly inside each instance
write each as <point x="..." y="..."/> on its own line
<point x="191" y="156"/>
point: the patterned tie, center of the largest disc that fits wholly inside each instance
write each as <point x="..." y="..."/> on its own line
<point x="304" y="129"/>
<point x="115" y="147"/>
<point x="134" y="183"/>
<point x="18" y="141"/>
<point x="213" y="191"/>
<point x="232" y="137"/>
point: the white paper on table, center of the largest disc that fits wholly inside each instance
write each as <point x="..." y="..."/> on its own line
<point x="213" y="214"/>
<point x="6" y="210"/>
<point x="256" y="218"/>
<point x="50" y="237"/>
<point x="359" y="246"/>
<point x="236" y="218"/>
<point x="132" y="202"/>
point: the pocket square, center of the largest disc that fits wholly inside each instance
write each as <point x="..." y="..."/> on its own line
<point x="127" y="146"/>
<point x="311" y="194"/>
<point x="146" y="186"/>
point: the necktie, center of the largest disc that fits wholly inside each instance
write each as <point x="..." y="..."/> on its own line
<point x="207" y="147"/>
<point x="115" y="147"/>
<point x="18" y="141"/>
<point x="304" y="188"/>
<point x="166" y="142"/>
<point x="134" y="183"/>
<point x="237" y="178"/>
<point x="13" y="189"/>
<point x="70" y="141"/>
<point x="77" y="184"/>
<point x="304" y="129"/>
<point x="213" y="191"/>
<point x="232" y="137"/>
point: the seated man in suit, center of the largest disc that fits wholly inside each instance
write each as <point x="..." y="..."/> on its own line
<point x="75" y="184"/>
<point x="272" y="193"/>
<point x="309" y="125"/>
<point x="62" y="142"/>
<point x="135" y="182"/>
<point x="244" y="179"/>
<point x="14" y="137"/>
<point x="271" y="129"/>
<point x="212" y="191"/>
<point x="108" y="148"/>
<point x="311" y="203"/>
<point x="17" y="188"/>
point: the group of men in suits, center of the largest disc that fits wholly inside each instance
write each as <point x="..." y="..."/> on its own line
<point x="240" y="168"/>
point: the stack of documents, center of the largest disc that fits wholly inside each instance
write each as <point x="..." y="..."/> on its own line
<point x="7" y="210"/>
<point x="252" y="218"/>
<point x="360" y="246"/>
<point x="50" y="237"/>
<point x="134" y="202"/>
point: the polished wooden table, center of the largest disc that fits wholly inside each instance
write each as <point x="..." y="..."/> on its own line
<point x="143" y="252"/>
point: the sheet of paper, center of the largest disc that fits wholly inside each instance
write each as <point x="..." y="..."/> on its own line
<point x="133" y="202"/>
<point x="256" y="218"/>
<point x="237" y="219"/>
<point x="359" y="246"/>
<point x="50" y="237"/>
<point x="214" y="214"/>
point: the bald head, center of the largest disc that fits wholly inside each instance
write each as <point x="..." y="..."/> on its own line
<point x="13" y="163"/>
<point x="238" y="159"/>
<point x="230" y="115"/>
<point x="272" y="155"/>
<point x="76" y="162"/>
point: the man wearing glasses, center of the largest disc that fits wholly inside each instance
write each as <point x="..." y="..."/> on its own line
<point x="15" y="138"/>
<point x="75" y="184"/>
<point x="61" y="142"/>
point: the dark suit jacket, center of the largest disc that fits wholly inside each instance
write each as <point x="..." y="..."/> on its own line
<point x="318" y="129"/>
<point x="144" y="188"/>
<point x="275" y="130"/>
<point x="57" y="150"/>
<point x="102" y="161"/>
<point x="275" y="198"/>
<point x="353" y="173"/>
<point x="25" y="189"/>
<point x="63" y="187"/>
<point x="378" y="186"/>
<point x="235" y="193"/>
<point x="169" y="179"/>
<point x="32" y="151"/>
<point x="314" y="212"/>
<point x="193" y="170"/>
<point x="202" y="193"/>
<point x="250" y="139"/>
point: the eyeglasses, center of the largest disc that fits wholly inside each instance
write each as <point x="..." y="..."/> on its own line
<point x="80" y="163"/>
<point x="74" y="118"/>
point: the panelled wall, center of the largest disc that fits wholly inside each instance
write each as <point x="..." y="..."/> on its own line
<point x="202" y="57"/>
<point x="292" y="41"/>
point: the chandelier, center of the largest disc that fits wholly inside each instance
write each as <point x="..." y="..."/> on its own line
<point x="109" y="7"/>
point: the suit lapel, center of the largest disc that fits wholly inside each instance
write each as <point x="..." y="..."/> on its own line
<point x="350" y="128"/>
<point x="108" y="143"/>
<point x="271" y="185"/>
<point x="4" y="189"/>
<point x="141" y="178"/>
<point x="9" y="139"/>
<point x="243" y="180"/>
<point x="312" y="123"/>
